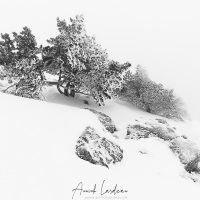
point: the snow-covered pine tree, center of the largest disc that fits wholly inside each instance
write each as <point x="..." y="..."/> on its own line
<point x="81" y="62"/>
<point x="21" y="66"/>
<point x="7" y="50"/>
<point x="25" y="44"/>
<point x="152" y="97"/>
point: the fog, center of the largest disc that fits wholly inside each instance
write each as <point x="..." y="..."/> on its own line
<point x="163" y="36"/>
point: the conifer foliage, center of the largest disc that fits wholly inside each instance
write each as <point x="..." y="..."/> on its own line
<point x="25" y="44"/>
<point x="139" y="89"/>
<point x="81" y="64"/>
<point x="22" y="68"/>
<point x="85" y="65"/>
<point x="7" y="54"/>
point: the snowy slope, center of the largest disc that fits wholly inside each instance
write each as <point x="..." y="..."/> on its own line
<point x="38" y="160"/>
<point x="123" y="113"/>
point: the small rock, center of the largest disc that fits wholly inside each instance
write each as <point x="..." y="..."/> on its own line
<point x="162" y="121"/>
<point x="85" y="102"/>
<point x="193" y="166"/>
<point x="143" y="151"/>
<point x="184" y="136"/>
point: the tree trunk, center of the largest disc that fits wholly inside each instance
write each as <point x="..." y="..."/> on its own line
<point x="58" y="85"/>
<point x="148" y="109"/>
<point x="58" y="88"/>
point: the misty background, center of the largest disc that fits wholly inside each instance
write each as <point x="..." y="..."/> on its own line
<point x="161" y="35"/>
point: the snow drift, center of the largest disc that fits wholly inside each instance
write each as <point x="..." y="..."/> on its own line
<point x="38" y="160"/>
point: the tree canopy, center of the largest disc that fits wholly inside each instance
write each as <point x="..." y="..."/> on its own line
<point x="139" y="89"/>
<point x="81" y="64"/>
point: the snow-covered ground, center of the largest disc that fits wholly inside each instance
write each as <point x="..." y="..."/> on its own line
<point x="38" y="160"/>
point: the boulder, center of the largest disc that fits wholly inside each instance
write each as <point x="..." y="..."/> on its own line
<point x="97" y="150"/>
<point x="164" y="132"/>
<point x="105" y="120"/>
<point x="186" y="150"/>
<point x="137" y="132"/>
<point x="150" y="128"/>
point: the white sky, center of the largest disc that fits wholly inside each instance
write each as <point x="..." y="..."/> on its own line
<point x="161" y="35"/>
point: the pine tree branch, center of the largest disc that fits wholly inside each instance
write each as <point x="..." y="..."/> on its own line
<point x="82" y="93"/>
<point x="9" y="87"/>
<point x="51" y="82"/>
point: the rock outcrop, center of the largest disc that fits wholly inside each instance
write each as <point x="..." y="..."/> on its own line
<point x="162" y="131"/>
<point x="151" y="128"/>
<point x="105" y="120"/>
<point x="101" y="151"/>
<point x="97" y="150"/>
<point x="187" y="151"/>
<point x="137" y="132"/>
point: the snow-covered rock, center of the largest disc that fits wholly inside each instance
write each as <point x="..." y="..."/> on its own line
<point x="159" y="128"/>
<point x="162" y="121"/>
<point x="162" y="131"/>
<point x="105" y="120"/>
<point x="193" y="166"/>
<point x="97" y="150"/>
<point x="137" y="131"/>
<point x="186" y="150"/>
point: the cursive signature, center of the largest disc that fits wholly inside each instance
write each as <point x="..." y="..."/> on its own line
<point x="114" y="191"/>
<point x="103" y="190"/>
<point x="80" y="188"/>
